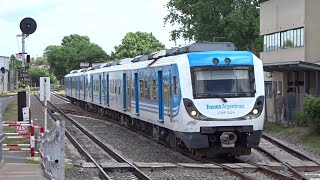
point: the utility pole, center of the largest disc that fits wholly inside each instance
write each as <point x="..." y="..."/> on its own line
<point x="23" y="40"/>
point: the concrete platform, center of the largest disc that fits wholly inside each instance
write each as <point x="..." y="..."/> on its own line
<point x="16" y="165"/>
<point x="18" y="171"/>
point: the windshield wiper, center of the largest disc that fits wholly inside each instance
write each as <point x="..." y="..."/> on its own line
<point x="223" y="99"/>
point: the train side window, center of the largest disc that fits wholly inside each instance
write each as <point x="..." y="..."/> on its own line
<point x="115" y="87"/>
<point x="141" y="89"/>
<point x="119" y="82"/>
<point x="128" y="88"/>
<point x="175" y="85"/>
<point x="154" y="89"/>
<point x="132" y="92"/>
<point x="146" y="88"/>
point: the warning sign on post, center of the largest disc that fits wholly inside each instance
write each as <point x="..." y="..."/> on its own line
<point x="25" y="113"/>
<point x="45" y="88"/>
<point x="22" y="129"/>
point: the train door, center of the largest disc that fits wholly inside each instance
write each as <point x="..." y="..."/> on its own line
<point x="108" y="87"/>
<point x="79" y="87"/>
<point x="160" y="96"/>
<point x="91" y="81"/>
<point x="100" y="89"/>
<point x="128" y="90"/>
<point x="104" y="87"/>
<point x="136" y="92"/>
<point x="84" y="88"/>
<point x="124" y="91"/>
<point x="170" y="100"/>
<point x="71" y="86"/>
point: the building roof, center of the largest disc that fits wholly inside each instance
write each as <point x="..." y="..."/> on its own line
<point x="291" y="66"/>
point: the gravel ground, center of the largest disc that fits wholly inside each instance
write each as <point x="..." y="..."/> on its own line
<point x="186" y="174"/>
<point x="256" y="157"/>
<point x="135" y="147"/>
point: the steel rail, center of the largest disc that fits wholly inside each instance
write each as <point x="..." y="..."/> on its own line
<point x="291" y="169"/>
<point x="105" y="147"/>
<point x="294" y="152"/>
<point x="269" y="171"/>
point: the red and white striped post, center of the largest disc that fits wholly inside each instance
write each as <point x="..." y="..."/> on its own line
<point x="32" y="151"/>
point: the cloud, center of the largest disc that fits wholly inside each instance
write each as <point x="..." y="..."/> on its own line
<point x="105" y="22"/>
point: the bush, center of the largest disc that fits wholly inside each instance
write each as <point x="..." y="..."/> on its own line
<point x="300" y="118"/>
<point x="312" y="109"/>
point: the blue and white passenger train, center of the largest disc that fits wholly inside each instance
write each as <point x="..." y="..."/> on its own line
<point x="205" y="97"/>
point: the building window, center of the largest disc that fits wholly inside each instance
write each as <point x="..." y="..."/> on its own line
<point x="268" y="88"/>
<point x="285" y="39"/>
<point x="265" y="43"/>
<point x="302" y="37"/>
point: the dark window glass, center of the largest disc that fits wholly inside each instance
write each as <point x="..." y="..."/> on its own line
<point x="223" y="83"/>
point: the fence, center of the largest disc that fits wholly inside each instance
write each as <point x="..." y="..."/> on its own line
<point x="285" y="108"/>
<point x="4" y="102"/>
<point x="28" y="135"/>
<point x="52" y="151"/>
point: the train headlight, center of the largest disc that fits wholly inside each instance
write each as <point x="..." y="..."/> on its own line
<point x="227" y="61"/>
<point x="255" y="111"/>
<point x="215" y="61"/>
<point x="194" y="113"/>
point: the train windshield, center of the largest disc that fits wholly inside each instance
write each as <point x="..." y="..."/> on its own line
<point x="223" y="82"/>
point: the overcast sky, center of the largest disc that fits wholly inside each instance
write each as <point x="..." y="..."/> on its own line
<point x="104" y="21"/>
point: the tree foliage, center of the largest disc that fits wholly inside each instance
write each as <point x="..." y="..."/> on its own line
<point x="137" y="43"/>
<point x="215" y="20"/>
<point x="312" y="108"/>
<point x="14" y="62"/>
<point x="35" y="74"/>
<point x="74" y="49"/>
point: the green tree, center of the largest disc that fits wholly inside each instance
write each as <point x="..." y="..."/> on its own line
<point x="35" y="74"/>
<point x="215" y="20"/>
<point x="74" y="49"/>
<point x="137" y="43"/>
<point x="75" y="39"/>
<point x="14" y="62"/>
<point x="40" y="61"/>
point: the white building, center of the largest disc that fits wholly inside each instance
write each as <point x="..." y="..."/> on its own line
<point x="4" y="62"/>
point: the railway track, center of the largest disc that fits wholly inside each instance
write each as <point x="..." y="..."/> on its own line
<point x="116" y="167"/>
<point x="292" y="160"/>
<point x="258" y="168"/>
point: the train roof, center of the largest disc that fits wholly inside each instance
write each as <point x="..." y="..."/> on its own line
<point x="161" y="57"/>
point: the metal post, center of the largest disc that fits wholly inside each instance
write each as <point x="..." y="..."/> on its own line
<point x="306" y="82"/>
<point x="45" y="105"/>
<point x="23" y="50"/>
<point x="29" y="101"/>
<point x="317" y="83"/>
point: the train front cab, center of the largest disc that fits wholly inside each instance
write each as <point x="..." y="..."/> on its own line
<point x="227" y="102"/>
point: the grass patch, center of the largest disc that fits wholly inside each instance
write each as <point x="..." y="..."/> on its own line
<point x="68" y="166"/>
<point x="11" y="115"/>
<point x="313" y="141"/>
<point x="60" y="91"/>
<point x="32" y="161"/>
<point x="302" y="135"/>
